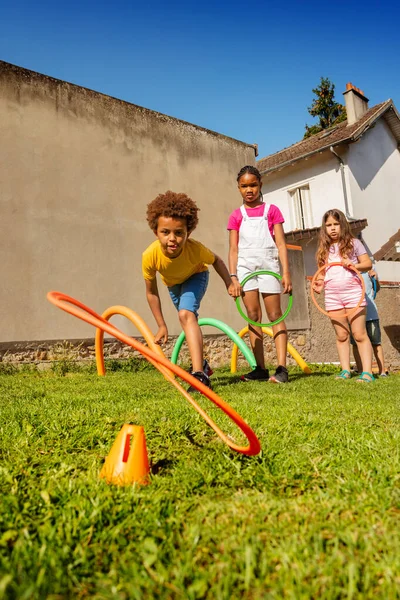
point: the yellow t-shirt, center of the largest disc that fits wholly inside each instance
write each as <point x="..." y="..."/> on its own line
<point x="194" y="258"/>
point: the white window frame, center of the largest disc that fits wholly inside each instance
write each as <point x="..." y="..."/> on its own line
<point x="300" y="207"/>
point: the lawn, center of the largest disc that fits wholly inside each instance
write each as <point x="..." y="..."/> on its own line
<point x="315" y="515"/>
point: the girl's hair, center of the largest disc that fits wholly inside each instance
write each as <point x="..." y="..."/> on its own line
<point x="171" y="204"/>
<point x="325" y="242"/>
<point x="251" y="170"/>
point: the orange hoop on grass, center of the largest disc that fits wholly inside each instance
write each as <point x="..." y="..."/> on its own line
<point x="79" y="310"/>
<point x="346" y="315"/>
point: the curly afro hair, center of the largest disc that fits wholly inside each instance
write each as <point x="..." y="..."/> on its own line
<point x="171" y="204"/>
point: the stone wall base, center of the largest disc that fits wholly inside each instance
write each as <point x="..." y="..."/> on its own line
<point x="217" y="349"/>
<point x="315" y="345"/>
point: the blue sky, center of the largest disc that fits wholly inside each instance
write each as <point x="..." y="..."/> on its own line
<point x="243" y="70"/>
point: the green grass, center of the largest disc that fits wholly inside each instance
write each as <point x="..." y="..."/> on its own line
<point x="315" y="515"/>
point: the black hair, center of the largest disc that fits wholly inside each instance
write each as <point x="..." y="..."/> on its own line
<point x="251" y="170"/>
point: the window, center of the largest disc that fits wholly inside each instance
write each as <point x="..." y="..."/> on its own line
<point x="300" y="207"/>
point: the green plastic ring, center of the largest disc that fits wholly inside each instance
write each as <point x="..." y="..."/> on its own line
<point x="246" y="318"/>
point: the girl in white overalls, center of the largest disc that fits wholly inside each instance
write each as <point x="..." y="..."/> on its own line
<point x="253" y="248"/>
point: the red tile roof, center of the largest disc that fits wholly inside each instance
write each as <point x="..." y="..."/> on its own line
<point x="333" y="136"/>
<point x="296" y="235"/>
<point x="389" y="251"/>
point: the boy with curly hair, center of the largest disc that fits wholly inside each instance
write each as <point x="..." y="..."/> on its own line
<point x="182" y="265"/>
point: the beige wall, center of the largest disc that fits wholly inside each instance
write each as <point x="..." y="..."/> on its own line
<point x="77" y="170"/>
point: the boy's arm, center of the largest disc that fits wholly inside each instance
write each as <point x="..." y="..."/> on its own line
<point x="223" y="272"/>
<point x="154" y="301"/>
<point x="283" y="257"/>
<point x="374" y="274"/>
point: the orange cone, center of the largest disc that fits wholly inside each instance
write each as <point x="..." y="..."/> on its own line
<point x="127" y="463"/>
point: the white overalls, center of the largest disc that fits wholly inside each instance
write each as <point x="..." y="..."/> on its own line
<point x="257" y="252"/>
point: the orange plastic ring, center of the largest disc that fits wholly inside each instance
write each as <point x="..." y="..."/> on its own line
<point x="338" y="264"/>
<point x="81" y="311"/>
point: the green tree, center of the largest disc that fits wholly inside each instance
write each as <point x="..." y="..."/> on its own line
<point x="325" y="108"/>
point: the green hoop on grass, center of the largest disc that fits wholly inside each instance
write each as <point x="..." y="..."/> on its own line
<point x="236" y="339"/>
<point x="246" y="318"/>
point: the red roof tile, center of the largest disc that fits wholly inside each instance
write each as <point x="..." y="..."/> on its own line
<point x="356" y="226"/>
<point x="324" y="139"/>
<point x="390" y="250"/>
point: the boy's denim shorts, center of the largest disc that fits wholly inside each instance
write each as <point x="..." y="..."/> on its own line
<point x="374" y="333"/>
<point x="189" y="294"/>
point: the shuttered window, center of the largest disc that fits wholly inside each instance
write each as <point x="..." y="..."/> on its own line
<point x="300" y="205"/>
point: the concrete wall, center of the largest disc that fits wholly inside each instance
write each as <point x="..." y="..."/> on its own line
<point x="374" y="176"/>
<point x="77" y="170"/>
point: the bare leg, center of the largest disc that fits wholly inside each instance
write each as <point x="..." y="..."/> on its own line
<point x="357" y="358"/>
<point x="362" y="340"/>
<point x="251" y="301"/>
<point x="273" y="307"/>
<point x="194" y="338"/>
<point x="342" y="330"/>
<point x="378" y="352"/>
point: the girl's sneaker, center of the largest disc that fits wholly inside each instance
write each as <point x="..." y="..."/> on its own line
<point x="258" y="374"/>
<point x="200" y="376"/>
<point x="206" y="368"/>
<point x="281" y="375"/>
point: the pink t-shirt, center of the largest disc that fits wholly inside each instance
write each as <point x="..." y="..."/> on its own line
<point x="274" y="216"/>
<point x="339" y="274"/>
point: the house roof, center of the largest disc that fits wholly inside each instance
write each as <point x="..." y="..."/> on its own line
<point x="296" y="235"/>
<point x="338" y="134"/>
<point x="390" y="250"/>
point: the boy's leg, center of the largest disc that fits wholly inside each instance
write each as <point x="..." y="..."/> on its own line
<point x="374" y="334"/>
<point x="273" y="307"/>
<point x="194" y="338"/>
<point x="380" y="361"/>
<point x="357" y="358"/>
<point x="191" y="294"/>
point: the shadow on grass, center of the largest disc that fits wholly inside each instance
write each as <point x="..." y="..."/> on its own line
<point x="161" y="465"/>
<point x="224" y="380"/>
<point x="299" y="376"/>
<point x="191" y="439"/>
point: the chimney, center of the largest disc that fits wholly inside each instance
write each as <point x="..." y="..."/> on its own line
<point x="356" y="103"/>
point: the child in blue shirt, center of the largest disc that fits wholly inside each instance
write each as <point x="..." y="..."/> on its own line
<point x="372" y="323"/>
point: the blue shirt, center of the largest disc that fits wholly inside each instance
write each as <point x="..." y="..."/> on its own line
<point x="372" y="311"/>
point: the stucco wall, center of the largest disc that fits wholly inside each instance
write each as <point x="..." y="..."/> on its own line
<point x="77" y="170"/>
<point x="374" y="176"/>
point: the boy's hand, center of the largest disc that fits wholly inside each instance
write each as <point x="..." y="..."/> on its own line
<point x="161" y="336"/>
<point x="235" y="289"/>
<point x="286" y="283"/>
